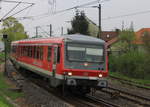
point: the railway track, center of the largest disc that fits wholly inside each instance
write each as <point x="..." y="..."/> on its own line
<point x="128" y="82"/>
<point x="89" y="101"/>
<point x="101" y="101"/>
<point x="138" y="99"/>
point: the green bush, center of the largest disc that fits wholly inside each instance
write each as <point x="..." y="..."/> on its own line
<point x="132" y="64"/>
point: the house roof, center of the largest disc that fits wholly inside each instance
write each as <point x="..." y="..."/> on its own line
<point x="112" y="41"/>
<point x="109" y="36"/>
<point x="139" y="35"/>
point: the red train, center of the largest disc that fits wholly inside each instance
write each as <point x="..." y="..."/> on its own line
<point x="77" y="60"/>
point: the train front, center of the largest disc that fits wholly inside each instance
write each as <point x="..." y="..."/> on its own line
<point x="85" y="64"/>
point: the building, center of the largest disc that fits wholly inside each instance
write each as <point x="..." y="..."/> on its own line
<point x="109" y="36"/>
<point x="139" y="34"/>
<point x="139" y="38"/>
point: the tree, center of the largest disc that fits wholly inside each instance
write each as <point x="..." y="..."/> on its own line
<point x="126" y="38"/>
<point x="146" y="40"/>
<point x="79" y="24"/>
<point x="13" y="29"/>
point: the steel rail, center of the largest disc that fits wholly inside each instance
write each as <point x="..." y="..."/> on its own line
<point x="102" y="101"/>
<point x="128" y="82"/>
<point x="131" y="94"/>
<point x="125" y="95"/>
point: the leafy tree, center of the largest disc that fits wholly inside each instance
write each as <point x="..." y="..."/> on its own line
<point x="126" y="38"/>
<point x="146" y="40"/>
<point x="79" y="24"/>
<point x="13" y="29"/>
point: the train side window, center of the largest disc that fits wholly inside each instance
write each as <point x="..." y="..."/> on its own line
<point x="34" y="52"/>
<point x="30" y="51"/>
<point x="38" y="52"/>
<point x="49" y="53"/>
<point x="41" y="52"/>
<point x="58" y="55"/>
<point x="26" y="50"/>
<point x="32" y="48"/>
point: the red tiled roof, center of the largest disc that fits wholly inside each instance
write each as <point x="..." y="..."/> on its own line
<point x="139" y="35"/>
<point x="112" y="41"/>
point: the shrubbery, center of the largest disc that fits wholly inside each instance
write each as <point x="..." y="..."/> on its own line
<point x="133" y="64"/>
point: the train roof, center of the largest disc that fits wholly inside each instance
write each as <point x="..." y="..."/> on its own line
<point x="59" y="40"/>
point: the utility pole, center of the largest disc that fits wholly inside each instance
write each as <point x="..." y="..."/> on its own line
<point x="62" y="30"/>
<point x="50" y="30"/>
<point x="100" y="32"/>
<point x="99" y="17"/>
<point x="37" y="31"/>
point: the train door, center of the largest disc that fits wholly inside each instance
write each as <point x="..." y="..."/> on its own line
<point x="54" y="60"/>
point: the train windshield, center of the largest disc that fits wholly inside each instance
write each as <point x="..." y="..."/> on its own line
<point x="85" y="52"/>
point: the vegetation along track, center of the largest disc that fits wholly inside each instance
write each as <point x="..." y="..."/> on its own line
<point x="141" y="100"/>
<point x="128" y="82"/>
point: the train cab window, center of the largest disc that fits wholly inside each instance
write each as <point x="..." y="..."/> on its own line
<point x="49" y="53"/>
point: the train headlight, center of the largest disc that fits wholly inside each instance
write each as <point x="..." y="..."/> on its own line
<point x="100" y="75"/>
<point x="69" y="73"/>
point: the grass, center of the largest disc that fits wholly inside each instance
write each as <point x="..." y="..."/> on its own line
<point x="4" y="102"/>
<point x="4" y="89"/>
<point x="137" y="81"/>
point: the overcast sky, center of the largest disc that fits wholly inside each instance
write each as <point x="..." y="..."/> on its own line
<point x="110" y="9"/>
